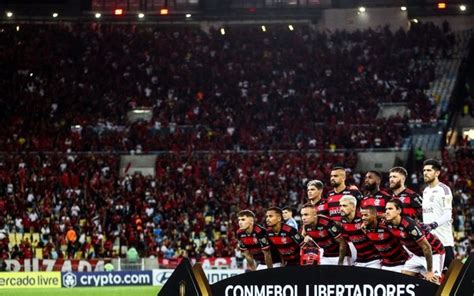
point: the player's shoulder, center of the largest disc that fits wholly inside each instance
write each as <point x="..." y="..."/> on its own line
<point x="287" y="228"/>
<point x="445" y="188"/>
<point x="259" y="229"/>
<point x="410" y="191"/>
<point x="407" y="221"/>
<point x="385" y="193"/>
<point x="240" y="232"/>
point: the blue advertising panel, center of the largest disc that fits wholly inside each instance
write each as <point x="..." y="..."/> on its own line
<point x="106" y="279"/>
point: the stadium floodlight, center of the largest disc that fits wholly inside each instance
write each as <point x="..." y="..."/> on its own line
<point x="188" y="15"/>
<point x="55" y="14"/>
<point x="118" y="11"/>
<point x="222" y="31"/>
<point x="441" y="5"/>
<point x="141" y="15"/>
<point x="17" y="28"/>
<point x="362" y="9"/>
<point x="9" y="14"/>
<point x="462" y="7"/>
<point x="264" y="29"/>
<point x="164" y="11"/>
<point x="403" y="8"/>
<point x="98" y="15"/>
<point x="291" y="27"/>
<point x="415" y="21"/>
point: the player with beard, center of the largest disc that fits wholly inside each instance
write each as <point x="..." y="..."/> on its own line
<point x="411" y="201"/>
<point x="427" y="249"/>
<point x="338" y="182"/>
<point x="285" y="238"/>
<point x="367" y="254"/>
<point x="314" y="189"/>
<point x="390" y="248"/>
<point x="254" y="243"/>
<point x="326" y="234"/>
<point x="438" y="208"/>
<point x="374" y="196"/>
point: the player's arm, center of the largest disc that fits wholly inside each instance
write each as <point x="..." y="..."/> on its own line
<point x="342" y="249"/>
<point x="335" y="230"/>
<point x="447" y="205"/>
<point x="265" y="245"/>
<point x="250" y="260"/>
<point x="417" y="204"/>
<point x="428" y="253"/>
<point x="267" y="254"/>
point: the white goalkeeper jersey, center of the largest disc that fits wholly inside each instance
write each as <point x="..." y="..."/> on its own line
<point x="437" y="201"/>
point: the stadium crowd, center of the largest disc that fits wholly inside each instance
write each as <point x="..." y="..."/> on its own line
<point x="69" y="88"/>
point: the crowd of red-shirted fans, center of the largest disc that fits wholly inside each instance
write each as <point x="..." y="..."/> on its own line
<point x="68" y="88"/>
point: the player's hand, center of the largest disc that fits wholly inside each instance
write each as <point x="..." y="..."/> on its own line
<point x="429" y="227"/>
<point x="308" y="239"/>
<point x="430" y="276"/>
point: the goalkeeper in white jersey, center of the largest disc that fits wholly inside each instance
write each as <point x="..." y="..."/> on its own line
<point x="437" y="207"/>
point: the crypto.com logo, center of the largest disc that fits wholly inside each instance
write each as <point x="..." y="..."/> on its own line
<point x="69" y="280"/>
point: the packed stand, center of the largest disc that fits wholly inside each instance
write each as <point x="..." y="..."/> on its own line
<point x="460" y="177"/>
<point x="69" y="88"/>
<point x="79" y="207"/>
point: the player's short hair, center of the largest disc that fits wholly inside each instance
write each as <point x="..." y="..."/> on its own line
<point x="276" y="210"/>
<point x="246" y="213"/>
<point x="351" y="199"/>
<point x="316" y="183"/>
<point x="371" y="209"/>
<point x="400" y="170"/>
<point x="287" y="208"/>
<point x="397" y="203"/>
<point x="308" y="205"/>
<point x="434" y="163"/>
<point x="338" y="167"/>
<point x="377" y="173"/>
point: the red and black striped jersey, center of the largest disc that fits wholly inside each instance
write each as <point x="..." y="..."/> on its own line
<point x="389" y="246"/>
<point x="410" y="233"/>
<point x="322" y="208"/>
<point x="254" y="242"/>
<point x="412" y="203"/>
<point x="352" y="232"/>
<point x="287" y="242"/>
<point x="378" y="200"/>
<point x="332" y="200"/>
<point x="324" y="233"/>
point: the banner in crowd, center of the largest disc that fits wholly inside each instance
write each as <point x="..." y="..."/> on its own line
<point x="54" y="265"/>
<point x="106" y="279"/>
<point x="16" y="280"/>
<point x="160" y="276"/>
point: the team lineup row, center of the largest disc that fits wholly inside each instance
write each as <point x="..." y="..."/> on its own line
<point x="396" y="229"/>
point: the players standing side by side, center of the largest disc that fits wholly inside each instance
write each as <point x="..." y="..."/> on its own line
<point x="390" y="248"/>
<point x="411" y="201"/>
<point x="326" y="234"/>
<point x="283" y="237"/>
<point x="367" y="254"/>
<point x="314" y="190"/>
<point x="427" y="249"/>
<point x="374" y="195"/>
<point x="338" y="182"/>
<point x="253" y="242"/>
<point x="438" y="207"/>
